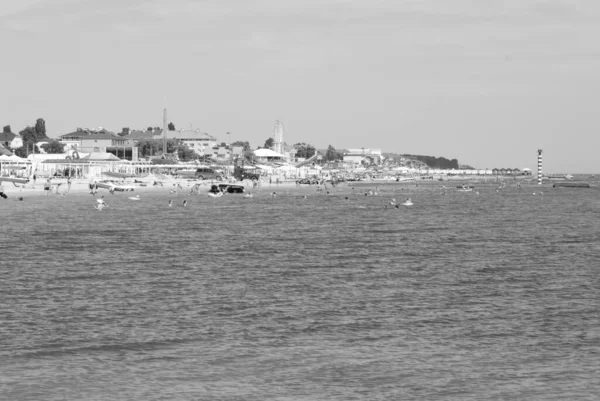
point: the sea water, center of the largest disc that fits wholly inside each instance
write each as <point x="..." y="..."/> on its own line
<point x="487" y="295"/>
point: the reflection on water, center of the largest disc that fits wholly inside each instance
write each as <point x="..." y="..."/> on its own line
<point x="461" y="296"/>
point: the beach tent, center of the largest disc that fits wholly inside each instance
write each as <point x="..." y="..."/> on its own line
<point x="12" y="159"/>
<point x="267" y="153"/>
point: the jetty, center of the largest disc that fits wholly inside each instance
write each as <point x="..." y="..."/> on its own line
<point x="570" y="185"/>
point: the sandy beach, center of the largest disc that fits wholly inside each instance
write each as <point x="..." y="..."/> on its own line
<point x="80" y="187"/>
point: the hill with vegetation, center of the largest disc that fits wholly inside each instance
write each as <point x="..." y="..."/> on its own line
<point x="430" y="161"/>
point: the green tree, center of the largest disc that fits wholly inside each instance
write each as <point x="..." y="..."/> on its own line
<point x="29" y="134"/>
<point x="153" y="147"/>
<point x="149" y="147"/>
<point x="332" y="154"/>
<point x="183" y="151"/>
<point x="304" y="150"/>
<point x="40" y="127"/>
<point x="269" y="143"/>
<point x="26" y="149"/>
<point x="124" y="131"/>
<point x="247" y="151"/>
<point x="53" y="146"/>
<point x="171" y="127"/>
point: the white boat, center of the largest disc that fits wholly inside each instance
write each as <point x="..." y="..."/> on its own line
<point x="14" y="180"/>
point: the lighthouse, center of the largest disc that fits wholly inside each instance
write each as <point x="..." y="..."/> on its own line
<point x="539" y="171"/>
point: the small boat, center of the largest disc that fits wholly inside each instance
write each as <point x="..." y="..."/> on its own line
<point x="229" y="188"/>
<point x="14" y="180"/>
<point x="111" y="186"/>
<point x="134" y="198"/>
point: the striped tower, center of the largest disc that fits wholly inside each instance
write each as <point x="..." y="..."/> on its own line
<point x="539" y="173"/>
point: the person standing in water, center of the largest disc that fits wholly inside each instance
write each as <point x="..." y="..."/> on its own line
<point x="47" y="186"/>
<point x="68" y="183"/>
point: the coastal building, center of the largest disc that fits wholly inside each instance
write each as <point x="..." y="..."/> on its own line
<point x="200" y="142"/>
<point x="99" y="141"/>
<point x="221" y="152"/>
<point x="10" y="140"/>
<point x="363" y="156"/>
<point x="268" y="155"/>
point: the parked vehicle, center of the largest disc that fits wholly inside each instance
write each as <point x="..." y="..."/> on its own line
<point x="208" y="173"/>
<point x="245" y="173"/>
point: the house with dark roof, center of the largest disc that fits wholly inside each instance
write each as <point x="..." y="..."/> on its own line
<point x="99" y="141"/>
<point x="4" y="151"/>
<point x="10" y="140"/>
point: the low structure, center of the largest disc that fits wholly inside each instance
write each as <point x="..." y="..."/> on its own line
<point x="366" y="155"/>
<point x="268" y="155"/>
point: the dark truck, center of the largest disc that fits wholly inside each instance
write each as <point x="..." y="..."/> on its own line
<point x="245" y="173"/>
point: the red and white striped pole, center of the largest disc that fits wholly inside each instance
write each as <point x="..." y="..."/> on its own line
<point x="539" y="172"/>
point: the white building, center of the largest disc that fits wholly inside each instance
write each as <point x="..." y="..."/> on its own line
<point x="200" y="142"/>
<point x="357" y="156"/>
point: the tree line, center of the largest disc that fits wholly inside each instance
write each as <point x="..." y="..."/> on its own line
<point x="435" y="162"/>
<point x="31" y="136"/>
<point x="36" y="133"/>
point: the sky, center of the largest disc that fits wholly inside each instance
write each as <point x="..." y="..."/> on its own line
<point x="486" y="82"/>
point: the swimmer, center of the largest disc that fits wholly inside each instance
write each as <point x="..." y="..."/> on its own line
<point x="101" y="201"/>
<point x="99" y="206"/>
<point x="20" y="198"/>
<point x="170" y="203"/>
<point x="248" y="195"/>
<point x="393" y="202"/>
<point x="274" y="194"/>
<point x="407" y="202"/>
<point x="185" y="203"/>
